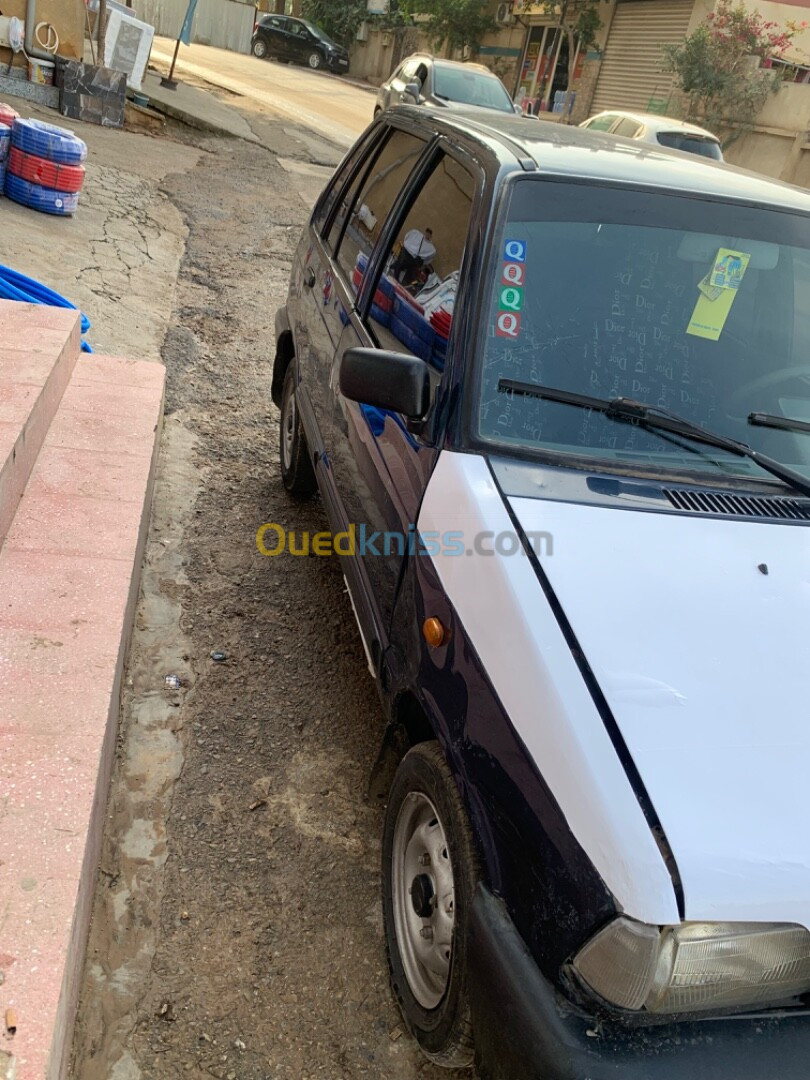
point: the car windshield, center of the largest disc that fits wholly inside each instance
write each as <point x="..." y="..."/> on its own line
<point x="697" y="306"/>
<point x="321" y="35"/>
<point x="471" y="88"/>
<point x="692" y="144"/>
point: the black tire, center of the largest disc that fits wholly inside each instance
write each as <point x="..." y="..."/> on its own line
<point x="296" y="467"/>
<point x="315" y="60"/>
<point x="260" y="49"/>
<point x="444" y="1030"/>
<point x="377" y="111"/>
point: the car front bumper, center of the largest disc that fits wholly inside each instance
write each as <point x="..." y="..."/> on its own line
<point x="526" y="1030"/>
<point x="338" y="63"/>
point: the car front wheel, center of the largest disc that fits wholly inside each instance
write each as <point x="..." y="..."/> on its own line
<point x="430" y="872"/>
<point x="315" y="60"/>
<point x="296" y="468"/>
<point x="260" y="49"/>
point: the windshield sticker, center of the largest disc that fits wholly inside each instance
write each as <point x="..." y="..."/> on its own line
<point x="507" y="325"/>
<point x="515" y="251"/>
<point x="717" y="292"/>
<point x="513" y="273"/>
<point x="729" y="268"/>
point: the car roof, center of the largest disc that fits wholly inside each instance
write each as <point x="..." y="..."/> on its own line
<point x="560" y="150"/>
<point x="656" y="122"/>
<point x="439" y="61"/>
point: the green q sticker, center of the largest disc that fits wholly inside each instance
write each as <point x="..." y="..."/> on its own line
<point x="511" y="299"/>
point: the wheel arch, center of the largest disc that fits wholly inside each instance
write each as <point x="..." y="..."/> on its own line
<point x="285" y="354"/>
<point x="408" y="726"/>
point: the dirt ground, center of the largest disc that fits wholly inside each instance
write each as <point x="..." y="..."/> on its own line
<point x="237" y="929"/>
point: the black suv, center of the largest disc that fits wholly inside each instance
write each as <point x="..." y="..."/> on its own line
<point x="298" y="41"/>
<point x="553" y="389"/>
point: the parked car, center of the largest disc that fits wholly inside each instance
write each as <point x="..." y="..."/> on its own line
<point x="297" y="41"/>
<point x="423" y="80"/>
<point x="554" y="392"/>
<point x="661" y="130"/>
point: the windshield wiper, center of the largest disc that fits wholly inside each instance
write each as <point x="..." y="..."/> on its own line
<point x="657" y="418"/>
<point x="781" y="423"/>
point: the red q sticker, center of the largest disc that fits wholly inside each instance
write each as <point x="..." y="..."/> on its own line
<point x="508" y="324"/>
<point x="513" y="273"/>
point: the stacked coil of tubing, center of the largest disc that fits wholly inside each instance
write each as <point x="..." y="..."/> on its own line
<point x="44" y="170"/>
<point x="5" y="143"/>
<point x="16" y="286"/>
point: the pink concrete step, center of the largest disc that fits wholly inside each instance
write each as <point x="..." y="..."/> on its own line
<point x="39" y="347"/>
<point x="69" y="578"/>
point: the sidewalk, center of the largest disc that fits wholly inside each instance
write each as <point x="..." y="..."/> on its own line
<point x="196" y="108"/>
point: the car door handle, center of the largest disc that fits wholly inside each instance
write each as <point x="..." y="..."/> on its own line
<point x="309" y="278"/>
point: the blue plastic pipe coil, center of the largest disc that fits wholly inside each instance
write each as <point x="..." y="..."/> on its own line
<point x="16" y="286"/>
<point x="48" y="141"/>
<point x="61" y="203"/>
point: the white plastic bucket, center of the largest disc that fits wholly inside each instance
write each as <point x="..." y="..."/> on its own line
<point x="41" y="72"/>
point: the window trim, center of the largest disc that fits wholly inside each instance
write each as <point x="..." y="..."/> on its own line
<point x="354" y="159"/>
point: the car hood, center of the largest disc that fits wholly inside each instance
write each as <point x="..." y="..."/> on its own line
<point x="696" y="630"/>
<point x="463" y="109"/>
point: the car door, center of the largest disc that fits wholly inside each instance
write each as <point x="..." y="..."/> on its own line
<point x="300" y="41"/>
<point x="381" y="461"/>
<point x="271" y="31"/>
<point x="314" y="306"/>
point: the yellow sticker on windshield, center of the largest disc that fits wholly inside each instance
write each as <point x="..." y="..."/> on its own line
<point x="718" y="290"/>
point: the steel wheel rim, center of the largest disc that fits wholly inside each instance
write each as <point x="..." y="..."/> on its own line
<point x="314" y="61"/>
<point x="288" y="429"/>
<point x="260" y="50"/>
<point x="422" y="878"/>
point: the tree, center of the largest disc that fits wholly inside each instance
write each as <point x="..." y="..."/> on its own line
<point x="578" y="20"/>
<point x="339" y="18"/>
<point x="457" y="23"/>
<point x="722" y="68"/>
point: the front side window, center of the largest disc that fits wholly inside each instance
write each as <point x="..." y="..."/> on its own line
<point x="470" y="88"/>
<point x="414" y="301"/>
<point x="602" y="123"/>
<point x="627" y="127"/>
<point x="700" y="307"/>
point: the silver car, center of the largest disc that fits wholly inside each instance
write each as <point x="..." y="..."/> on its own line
<point x="661" y="130"/>
<point x="421" y="79"/>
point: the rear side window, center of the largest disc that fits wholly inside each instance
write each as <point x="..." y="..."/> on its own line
<point x="368" y="200"/>
<point x="353" y="161"/>
<point x="628" y="128"/>
<point x="692" y="144"/>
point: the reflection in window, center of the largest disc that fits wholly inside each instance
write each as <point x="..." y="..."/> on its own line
<point x="413" y="304"/>
<point x="360" y="217"/>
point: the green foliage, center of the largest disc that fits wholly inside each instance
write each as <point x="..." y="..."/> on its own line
<point x="717" y="68"/>
<point x="580" y="18"/>
<point x="339" y="18"/>
<point x="454" y="22"/>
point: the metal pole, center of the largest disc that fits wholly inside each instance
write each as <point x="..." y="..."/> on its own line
<point x="102" y="29"/>
<point x="169" y="81"/>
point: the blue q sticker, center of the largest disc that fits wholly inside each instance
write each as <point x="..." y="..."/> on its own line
<point x="515" y="250"/>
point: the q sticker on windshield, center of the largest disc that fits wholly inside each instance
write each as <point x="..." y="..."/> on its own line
<point x="718" y="290"/>
<point x="510" y="297"/>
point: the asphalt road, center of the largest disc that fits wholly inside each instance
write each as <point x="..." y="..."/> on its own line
<point x="329" y="105"/>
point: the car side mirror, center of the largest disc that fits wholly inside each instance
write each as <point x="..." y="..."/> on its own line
<point x="394" y="381"/>
<point x="413" y="90"/>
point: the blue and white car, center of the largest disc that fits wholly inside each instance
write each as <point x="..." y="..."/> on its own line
<point x="562" y="436"/>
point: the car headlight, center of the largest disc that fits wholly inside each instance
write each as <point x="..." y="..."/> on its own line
<point x="695" y="965"/>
